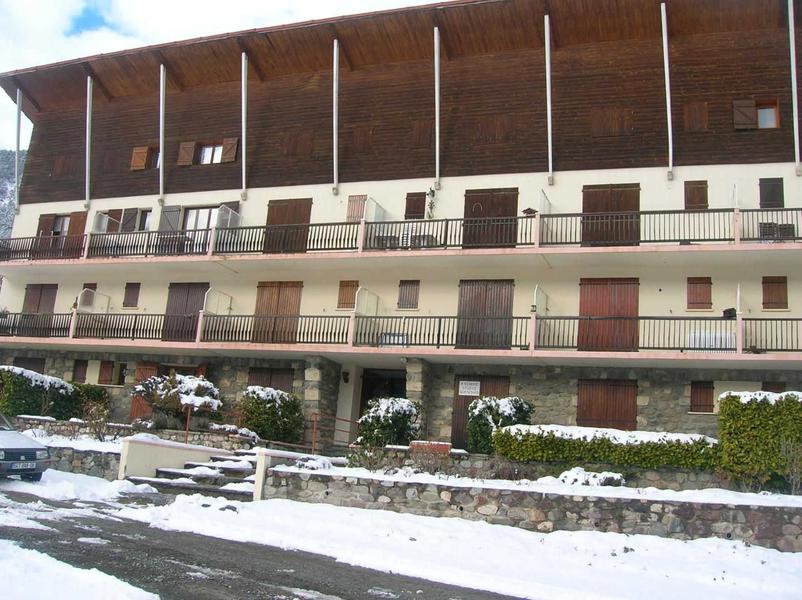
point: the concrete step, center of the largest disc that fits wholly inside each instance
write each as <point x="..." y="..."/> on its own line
<point x="204" y="478"/>
<point x="230" y="468"/>
<point x="251" y="458"/>
<point x="171" y="486"/>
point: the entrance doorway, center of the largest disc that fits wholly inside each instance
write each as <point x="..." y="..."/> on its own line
<point x="466" y="390"/>
<point x="382" y="383"/>
<point x="600" y="300"/>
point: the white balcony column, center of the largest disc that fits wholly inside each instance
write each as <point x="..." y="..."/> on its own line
<point x="436" y="108"/>
<point x="739" y="322"/>
<point x="244" y="134"/>
<point x="536" y="230"/>
<point x="88" y="162"/>
<point x="547" y="47"/>
<point x="73" y="323"/>
<point x="794" y="93"/>
<point x="162" y="105"/>
<point x="16" y="152"/>
<point x="352" y="329"/>
<point x="335" y="115"/>
<point x="737" y="221"/>
<point x="360" y="236"/>
<point x="199" y="330"/>
<point x="667" y="77"/>
<point x="212" y="240"/>
<point x="533" y="333"/>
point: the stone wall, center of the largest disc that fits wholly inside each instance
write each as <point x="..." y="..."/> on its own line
<point x="419" y="387"/>
<point x="773" y="527"/>
<point x="320" y="394"/>
<point x="86" y="462"/>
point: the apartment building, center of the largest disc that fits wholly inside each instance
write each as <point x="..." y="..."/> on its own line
<point x="595" y="206"/>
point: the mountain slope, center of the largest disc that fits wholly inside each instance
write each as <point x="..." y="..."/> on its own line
<point x="7" y="190"/>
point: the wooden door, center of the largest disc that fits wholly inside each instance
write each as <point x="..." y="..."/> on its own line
<point x="489" y="385"/>
<point x="38" y="306"/>
<point x="484" y="314"/>
<point x="601" y="299"/>
<point x="278" y="306"/>
<point x="73" y="243"/>
<point x="141" y="408"/>
<point x="287" y="226"/>
<point x="607" y="403"/>
<point x="184" y="302"/>
<point x="610" y="215"/>
<point x="490" y="218"/>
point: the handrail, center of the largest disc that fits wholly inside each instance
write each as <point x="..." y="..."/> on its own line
<point x="42" y="325"/>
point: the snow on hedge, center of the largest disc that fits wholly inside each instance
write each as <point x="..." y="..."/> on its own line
<point x="770" y="397"/>
<point x="385" y="408"/>
<point x="266" y="394"/>
<point x="233" y="430"/>
<point x="197" y="392"/>
<point x="617" y="436"/>
<point x="39" y="380"/>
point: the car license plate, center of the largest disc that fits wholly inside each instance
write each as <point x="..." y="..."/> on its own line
<point x="25" y="465"/>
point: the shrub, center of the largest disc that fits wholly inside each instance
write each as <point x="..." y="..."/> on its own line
<point x="172" y="394"/>
<point x="580" y="445"/>
<point x="388" y="421"/>
<point x="485" y="415"/>
<point x="273" y="414"/>
<point x="753" y="428"/>
<point x="95" y="408"/>
<point x="24" y="392"/>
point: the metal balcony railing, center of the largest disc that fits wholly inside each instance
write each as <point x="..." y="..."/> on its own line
<point x="130" y="326"/>
<point x="43" y="247"/>
<point x="35" y="325"/>
<point x="278" y="329"/>
<point x="772" y="335"/>
<point x="450" y="233"/>
<point x="771" y="225"/>
<point x="149" y="243"/>
<point x="287" y="239"/>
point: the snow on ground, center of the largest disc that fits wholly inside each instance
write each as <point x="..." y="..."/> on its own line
<point x="497" y="558"/>
<point x="30" y="575"/>
<point x="58" y="485"/>
<point x="239" y="486"/>
<point x="81" y="442"/>
<point x="551" y="485"/>
<point x="617" y="436"/>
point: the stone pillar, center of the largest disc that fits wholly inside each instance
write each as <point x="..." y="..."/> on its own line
<point x="419" y="389"/>
<point x="321" y="391"/>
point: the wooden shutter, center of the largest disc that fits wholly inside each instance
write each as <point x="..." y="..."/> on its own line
<point x="131" y="296"/>
<point x="279" y="379"/>
<point x="229" y="153"/>
<point x="700" y="292"/>
<point x="416" y="205"/>
<point x="106" y="375"/>
<point x="129" y="218"/>
<point x="33" y="295"/>
<point x="347" y="294"/>
<point x="140" y="158"/>
<point x="702" y="396"/>
<point x="611" y="122"/>
<point x="45" y="227"/>
<point x="695" y="116"/>
<point x="408" y="290"/>
<point x="775" y="292"/>
<point x="696" y="195"/>
<point x="32" y="364"/>
<point x="170" y="219"/>
<point x="356" y="208"/>
<point x="77" y="223"/>
<point x="771" y="192"/>
<point x="362" y="138"/>
<point x="186" y="153"/>
<point x="422" y="133"/>
<point x="115" y="219"/>
<point x="744" y="114"/>
<point x="79" y="367"/>
<point x="607" y="403"/>
<point x="777" y="387"/>
<point x="88" y="299"/>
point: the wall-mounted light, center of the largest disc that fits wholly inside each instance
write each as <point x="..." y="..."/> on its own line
<point x="346" y="376"/>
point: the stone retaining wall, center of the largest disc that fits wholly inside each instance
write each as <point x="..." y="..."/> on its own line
<point x="86" y="462"/>
<point x="773" y="527"/>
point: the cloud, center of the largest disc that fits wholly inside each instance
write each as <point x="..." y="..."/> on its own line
<point x="45" y="31"/>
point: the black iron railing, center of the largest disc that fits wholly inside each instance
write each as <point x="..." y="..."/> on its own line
<point x="131" y="326"/>
<point x="149" y="243"/>
<point x="771" y="225"/>
<point x="772" y="335"/>
<point x="458" y="332"/>
<point x="35" y="325"/>
<point x="287" y="239"/>
<point x="279" y="329"/>
<point x="626" y="334"/>
<point x="450" y="233"/>
<point x="43" y="247"/>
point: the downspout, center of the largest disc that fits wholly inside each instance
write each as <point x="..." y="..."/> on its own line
<point x="547" y="45"/>
<point x="244" y="151"/>
<point x="667" y="76"/>
<point x="335" y="114"/>
<point x="87" y="174"/>
<point x="436" y="108"/>
<point x="794" y="93"/>
<point x="16" y="153"/>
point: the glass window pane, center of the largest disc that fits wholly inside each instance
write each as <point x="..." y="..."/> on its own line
<point x="206" y="155"/>
<point x="218" y="154"/>
<point x="767" y="117"/>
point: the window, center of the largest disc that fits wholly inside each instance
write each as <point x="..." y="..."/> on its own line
<point x="200" y="218"/>
<point x="79" y="367"/>
<point x="702" y="396"/>
<point x="210" y="154"/>
<point x="777" y="387"/>
<point x="768" y="115"/>
<point x="771" y="192"/>
<point x="612" y="122"/>
<point x="416" y="205"/>
<point x="346" y="297"/>
<point x="700" y="292"/>
<point x="775" y="293"/>
<point x="696" y="195"/>
<point x="144" y="157"/>
<point x="143" y="222"/>
<point x="408" y="293"/>
<point x="279" y="379"/>
<point x="111" y="373"/>
<point x="355" y="211"/>
<point x="131" y="296"/>
<point x="755" y="114"/>
<point x="87" y="298"/>
<point x="695" y="116"/>
<point x="61" y="224"/>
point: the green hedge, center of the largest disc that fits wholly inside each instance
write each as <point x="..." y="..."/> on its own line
<point x="751" y="434"/>
<point x="550" y="448"/>
<point x="388" y="421"/>
<point x="273" y="414"/>
<point x="487" y="414"/>
<point x="20" y="396"/>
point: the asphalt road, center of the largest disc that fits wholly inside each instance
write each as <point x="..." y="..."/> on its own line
<point x="184" y="566"/>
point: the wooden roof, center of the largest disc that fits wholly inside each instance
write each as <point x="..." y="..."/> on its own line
<point x="468" y="27"/>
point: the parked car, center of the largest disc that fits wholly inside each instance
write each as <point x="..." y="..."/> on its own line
<point x="21" y="455"/>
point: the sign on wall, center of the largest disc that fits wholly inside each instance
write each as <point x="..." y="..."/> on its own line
<point x="469" y="388"/>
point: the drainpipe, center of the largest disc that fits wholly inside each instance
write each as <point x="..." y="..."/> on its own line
<point x="794" y="93"/>
<point x="244" y="149"/>
<point x="162" y="103"/>
<point x="667" y="76"/>
<point x="547" y="45"/>
<point x="335" y="114"/>
<point x="87" y="174"/>
<point x="436" y="108"/>
<point x="16" y="153"/>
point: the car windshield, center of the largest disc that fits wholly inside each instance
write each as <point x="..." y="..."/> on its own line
<point x="4" y="424"/>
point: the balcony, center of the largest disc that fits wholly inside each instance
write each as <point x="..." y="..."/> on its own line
<point x="149" y="243"/>
<point x="278" y="329"/>
<point x="499" y="333"/>
<point x="35" y="325"/>
<point x="43" y="247"/>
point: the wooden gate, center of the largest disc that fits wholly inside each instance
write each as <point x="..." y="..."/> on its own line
<point x="618" y="221"/>
<point x="278" y="306"/>
<point x="484" y="315"/>
<point x="490" y="218"/>
<point x="498" y="386"/>
<point x="607" y="403"/>
<point x="600" y="299"/>
<point x="287" y="226"/>
<point x="184" y="302"/>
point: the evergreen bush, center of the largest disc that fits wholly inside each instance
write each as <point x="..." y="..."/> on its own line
<point x="273" y="414"/>
<point x="388" y="421"/>
<point x="25" y="392"/>
<point x="486" y="415"/>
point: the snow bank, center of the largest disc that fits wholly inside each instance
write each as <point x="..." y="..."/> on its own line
<point x="39" y="380"/>
<point x="579" y="476"/>
<point x="233" y="430"/>
<point x="81" y="442"/>
<point x="617" y="436"/>
<point x="30" y="575"/>
<point x="770" y="397"/>
<point x="268" y="395"/>
<point x="58" y="485"/>
<point x="562" y="565"/>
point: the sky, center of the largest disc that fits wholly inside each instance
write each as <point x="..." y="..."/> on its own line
<point x="37" y="32"/>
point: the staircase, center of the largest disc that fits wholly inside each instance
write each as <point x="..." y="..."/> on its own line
<point x="229" y="476"/>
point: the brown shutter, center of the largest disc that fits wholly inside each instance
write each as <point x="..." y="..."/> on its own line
<point x="88" y="299"/>
<point x="607" y="403"/>
<point x="79" y="367"/>
<point x="170" y="219"/>
<point x="700" y="292"/>
<point x="777" y="387"/>
<point x="45" y="227"/>
<point x="408" y="290"/>
<point x="610" y="122"/>
<point x="106" y="372"/>
<point x="140" y="158"/>
<point x="775" y="292"/>
<point x="280" y="379"/>
<point x="702" y="396"/>
<point x="229" y="153"/>
<point x="347" y="294"/>
<point x="771" y="192"/>
<point x="361" y="138"/>
<point x="33" y="296"/>
<point x="356" y="208"/>
<point x="744" y="114"/>
<point x="695" y="114"/>
<point x="131" y="296"/>
<point x="416" y="205"/>
<point x="77" y="223"/>
<point x="115" y="218"/>
<point x="32" y="364"/>
<point x="186" y="153"/>
<point x="129" y="218"/>
<point x="422" y="133"/>
<point x="696" y="195"/>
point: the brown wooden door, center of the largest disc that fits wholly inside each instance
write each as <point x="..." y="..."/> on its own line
<point x="38" y="306"/>
<point x="75" y="231"/>
<point x="141" y="408"/>
<point x="600" y="299"/>
<point x="184" y="302"/>
<point x="490" y="218"/>
<point x="278" y="306"/>
<point x="607" y="403"/>
<point x="287" y="226"/>
<point x="610" y="215"/>
<point x="484" y="315"/>
<point x="498" y="386"/>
